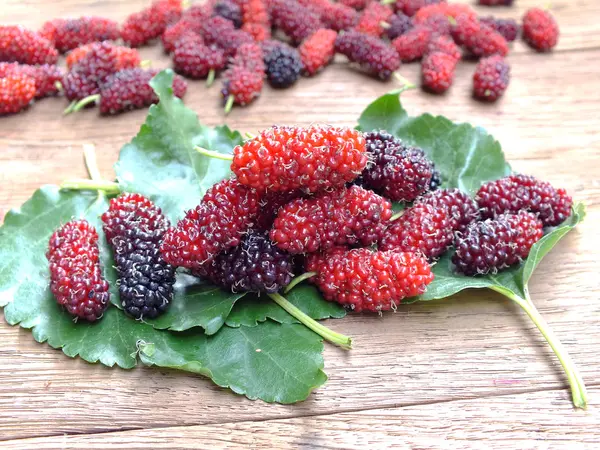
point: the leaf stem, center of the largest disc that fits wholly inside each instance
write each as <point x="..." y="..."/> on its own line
<point x="89" y="157"/>
<point x="211" y="78"/>
<point x="213" y="154"/>
<point x="576" y="383"/>
<point x="299" y="279"/>
<point x="81" y="184"/>
<point x="309" y="322"/>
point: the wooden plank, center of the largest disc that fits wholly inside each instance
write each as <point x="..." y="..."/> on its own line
<point x="537" y="420"/>
<point x="474" y="345"/>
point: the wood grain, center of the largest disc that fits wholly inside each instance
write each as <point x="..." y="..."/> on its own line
<point x="404" y="381"/>
<point x="535" y="420"/>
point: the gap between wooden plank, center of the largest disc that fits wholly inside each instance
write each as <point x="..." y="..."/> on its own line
<point x="315" y="414"/>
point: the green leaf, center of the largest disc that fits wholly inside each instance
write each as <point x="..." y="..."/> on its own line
<point x="274" y="362"/>
<point x="196" y="304"/>
<point x="161" y="163"/>
<point x="547" y="243"/>
<point x="24" y="280"/>
<point x="466" y="156"/>
<point x="251" y="361"/>
<point x="512" y="281"/>
<point x="254" y="309"/>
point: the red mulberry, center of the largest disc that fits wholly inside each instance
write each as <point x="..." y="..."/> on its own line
<point x="124" y="57"/>
<point x="16" y="92"/>
<point x="45" y="76"/>
<point x="296" y="21"/>
<point x="517" y="192"/>
<point x="372" y="17"/>
<point x="338" y="16"/>
<point x="220" y="32"/>
<point x="494" y="245"/>
<point x="398" y="172"/>
<point x="195" y="60"/>
<point x="345" y="216"/>
<point x="182" y="31"/>
<point x="540" y="30"/>
<point x="75" y="273"/>
<point x="226" y="212"/>
<point x="413" y="44"/>
<point x="317" y="50"/>
<point x="373" y="55"/>
<point x="491" y="78"/>
<point x="101" y="60"/>
<point x="479" y="39"/>
<point x="130" y="89"/>
<point x="67" y="34"/>
<point x="437" y="71"/>
<point x="364" y="280"/>
<point x="462" y="210"/>
<point x="508" y="28"/>
<point x="399" y="24"/>
<point x="141" y="27"/>
<point x="289" y="158"/>
<point x="422" y="229"/>
<point x="18" y="44"/>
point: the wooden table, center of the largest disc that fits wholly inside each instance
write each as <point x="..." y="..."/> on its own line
<point x="437" y="375"/>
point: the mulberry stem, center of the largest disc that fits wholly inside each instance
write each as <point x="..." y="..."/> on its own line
<point x="213" y="154"/>
<point x="108" y="187"/>
<point x="578" y="391"/>
<point x="84" y="102"/>
<point x="211" y="78"/>
<point x="397" y="215"/>
<point x="229" y="104"/>
<point x="89" y="157"/>
<point x="309" y="322"/>
<point x="299" y="279"/>
<point x="69" y="108"/>
<point x="406" y="84"/>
